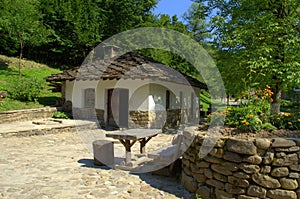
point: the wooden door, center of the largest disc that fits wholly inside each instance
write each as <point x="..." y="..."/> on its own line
<point x="117" y="108"/>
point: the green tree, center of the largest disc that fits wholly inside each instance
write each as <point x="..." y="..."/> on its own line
<point x="80" y="25"/>
<point x="166" y="57"/>
<point x="20" y="22"/>
<point x="195" y="18"/>
<point x="263" y="39"/>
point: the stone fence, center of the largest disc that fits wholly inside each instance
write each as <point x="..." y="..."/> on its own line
<point x="244" y="169"/>
<point x="26" y="114"/>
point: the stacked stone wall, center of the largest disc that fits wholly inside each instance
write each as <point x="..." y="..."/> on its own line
<point x="139" y="119"/>
<point x="26" y="114"/>
<point x="244" y="169"/>
<point x="100" y="117"/>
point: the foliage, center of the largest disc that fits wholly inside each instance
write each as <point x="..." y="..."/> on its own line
<point x="10" y="104"/>
<point x="197" y="25"/>
<point x="286" y="121"/>
<point x="20" y="25"/>
<point x="258" y="43"/>
<point x="61" y="115"/>
<point x="268" y="126"/>
<point x="260" y="101"/>
<point x="252" y="113"/>
<point x="197" y="196"/>
<point x="64" y="32"/>
<point x="30" y="70"/>
<point x="26" y="90"/>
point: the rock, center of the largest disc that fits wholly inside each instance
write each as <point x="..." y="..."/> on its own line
<point x="291" y="149"/>
<point x="268" y="158"/>
<point x="287" y="183"/>
<point x="241" y="146"/>
<point x="222" y="195"/>
<point x="281" y="194"/>
<point x="257" y="191"/>
<point x="187" y="171"/>
<point x="203" y="192"/>
<point x="220" y="177"/>
<point x="280" y="172"/>
<point x="212" y="159"/>
<point x="221" y="169"/>
<point x="215" y="183"/>
<point x="280" y="155"/>
<point x="232" y="157"/>
<point x="249" y="168"/>
<point x="294" y="175"/>
<point x="297" y="140"/>
<point x="254" y="159"/>
<point x="188" y="182"/>
<point x="220" y="143"/>
<point x="265" y="181"/>
<point x="262" y="143"/>
<point x="234" y="189"/>
<point x="241" y="175"/>
<point x="230" y="166"/>
<point x="217" y="152"/>
<point x="3" y="94"/>
<point x="298" y="193"/>
<point x="202" y="164"/>
<point x="238" y="182"/>
<point x="200" y="178"/>
<point x="291" y="159"/>
<point x="246" y="197"/>
<point x="265" y="169"/>
<point x="195" y="169"/>
<point x="281" y="142"/>
<point x="295" y="167"/>
<point x="208" y="173"/>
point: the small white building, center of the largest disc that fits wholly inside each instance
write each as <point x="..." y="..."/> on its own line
<point x="130" y="91"/>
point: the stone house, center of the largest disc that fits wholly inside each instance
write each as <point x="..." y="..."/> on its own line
<point x="129" y="91"/>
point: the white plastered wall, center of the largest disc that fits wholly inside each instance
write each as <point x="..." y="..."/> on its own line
<point x="140" y="91"/>
<point x="77" y="91"/>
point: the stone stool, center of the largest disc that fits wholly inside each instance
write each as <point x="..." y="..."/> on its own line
<point x="103" y="153"/>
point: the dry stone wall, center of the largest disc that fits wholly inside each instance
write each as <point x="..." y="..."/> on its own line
<point x="244" y="169"/>
<point x="26" y="114"/>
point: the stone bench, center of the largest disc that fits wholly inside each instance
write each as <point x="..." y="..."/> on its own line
<point x="103" y="153"/>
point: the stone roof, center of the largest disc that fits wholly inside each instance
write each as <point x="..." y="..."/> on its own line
<point x="127" y="66"/>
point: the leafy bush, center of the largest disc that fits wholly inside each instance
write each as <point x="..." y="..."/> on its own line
<point x="268" y="126"/>
<point x="286" y="121"/>
<point x="285" y="102"/>
<point x="61" y="115"/>
<point x="24" y="89"/>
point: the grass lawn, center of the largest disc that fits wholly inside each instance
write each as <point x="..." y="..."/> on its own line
<point x="9" y="72"/>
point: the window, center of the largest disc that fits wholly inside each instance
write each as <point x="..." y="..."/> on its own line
<point x="89" y="98"/>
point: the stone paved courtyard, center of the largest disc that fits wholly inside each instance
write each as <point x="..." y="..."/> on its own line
<point x="60" y="166"/>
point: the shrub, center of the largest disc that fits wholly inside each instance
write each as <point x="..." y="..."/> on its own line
<point x="289" y="121"/>
<point x="268" y="126"/>
<point x="24" y="89"/>
<point x="245" y="118"/>
<point x="61" y="115"/>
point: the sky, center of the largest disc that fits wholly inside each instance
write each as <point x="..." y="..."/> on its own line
<point x="172" y="7"/>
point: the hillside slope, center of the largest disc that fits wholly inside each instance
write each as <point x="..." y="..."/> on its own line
<point x="30" y="70"/>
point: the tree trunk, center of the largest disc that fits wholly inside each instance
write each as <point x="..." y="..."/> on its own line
<point x="275" y="106"/>
<point x="21" y="52"/>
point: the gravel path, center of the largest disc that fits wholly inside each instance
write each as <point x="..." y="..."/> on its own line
<point x="60" y="166"/>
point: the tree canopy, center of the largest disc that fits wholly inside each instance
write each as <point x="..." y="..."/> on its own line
<point x="258" y="43"/>
<point x="74" y="27"/>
